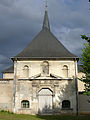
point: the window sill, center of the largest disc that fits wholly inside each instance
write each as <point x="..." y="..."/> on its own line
<point x="67" y="109"/>
<point x="25" y="109"/>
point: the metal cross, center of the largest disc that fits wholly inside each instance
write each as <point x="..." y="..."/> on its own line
<point x="46" y="4"/>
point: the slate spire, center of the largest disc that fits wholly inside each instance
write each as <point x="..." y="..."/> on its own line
<point x="46" y="19"/>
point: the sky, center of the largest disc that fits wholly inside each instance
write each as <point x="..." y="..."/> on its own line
<point x="21" y="21"/>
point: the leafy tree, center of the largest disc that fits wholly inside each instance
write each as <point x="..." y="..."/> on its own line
<point x="85" y="61"/>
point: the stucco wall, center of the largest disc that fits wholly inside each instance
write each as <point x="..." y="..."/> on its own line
<point x="55" y="67"/>
<point x="8" y="75"/>
<point x="28" y="89"/>
<point x="62" y="90"/>
<point x="81" y="86"/>
<point x="6" y="94"/>
<point x="84" y="104"/>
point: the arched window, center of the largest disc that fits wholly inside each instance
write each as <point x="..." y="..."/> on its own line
<point x="66" y="104"/>
<point x="25" y="104"/>
<point x="45" y="68"/>
<point x="65" y="71"/>
<point x="26" y="71"/>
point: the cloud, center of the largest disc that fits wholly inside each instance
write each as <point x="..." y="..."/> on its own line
<point x="70" y="38"/>
<point x="4" y="62"/>
<point x="6" y="3"/>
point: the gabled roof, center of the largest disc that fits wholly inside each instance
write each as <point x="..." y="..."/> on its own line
<point x="45" y="45"/>
<point x="9" y="70"/>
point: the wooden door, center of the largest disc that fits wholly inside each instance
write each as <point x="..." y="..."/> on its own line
<point x="45" y="101"/>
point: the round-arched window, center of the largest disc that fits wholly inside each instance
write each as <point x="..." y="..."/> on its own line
<point x="65" y="71"/>
<point x="26" y="71"/>
<point x="25" y="104"/>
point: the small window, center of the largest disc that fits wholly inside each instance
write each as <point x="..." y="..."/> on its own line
<point x="25" y="104"/>
<point x="45" y="68"/>
<point x="65" y="71"/>
<point x="66" y="104"/>
<point x="26" y="71"/>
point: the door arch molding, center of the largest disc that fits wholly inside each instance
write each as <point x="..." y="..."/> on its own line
<point x="46" y="88"/>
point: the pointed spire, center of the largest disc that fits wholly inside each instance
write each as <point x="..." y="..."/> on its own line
<point x="46" y="20"/>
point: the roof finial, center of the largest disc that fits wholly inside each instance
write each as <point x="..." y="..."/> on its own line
<point x="46" y="20"/>
<point x="46" y="5"/>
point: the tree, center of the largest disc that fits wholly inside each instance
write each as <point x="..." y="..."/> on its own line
<point x="85" y="61"/>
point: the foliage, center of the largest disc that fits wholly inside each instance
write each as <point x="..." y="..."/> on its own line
<point x="85" y="38"/>
<point x="85" y="61"/>
<point x="4" y="111"/>
<point x="87" y="93"/>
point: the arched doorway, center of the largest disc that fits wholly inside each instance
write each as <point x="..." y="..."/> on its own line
<point x="45" y="101"/>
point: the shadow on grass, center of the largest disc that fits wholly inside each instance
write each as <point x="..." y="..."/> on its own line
<point x="64" y="117"/>
<point x="57" y="117"/>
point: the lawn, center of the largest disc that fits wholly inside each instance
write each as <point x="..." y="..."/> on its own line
<point x="9" y="116"/>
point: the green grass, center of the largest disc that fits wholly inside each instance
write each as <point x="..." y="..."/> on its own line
<point x="10" y="116"/>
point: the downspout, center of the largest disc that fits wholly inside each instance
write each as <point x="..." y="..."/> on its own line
<point x="76" y="85"/>
<point x="15" y="79"/>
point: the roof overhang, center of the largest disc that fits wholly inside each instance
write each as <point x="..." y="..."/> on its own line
<point x="45" y="58"/>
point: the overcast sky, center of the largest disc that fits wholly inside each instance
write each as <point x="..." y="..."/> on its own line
<point x="21" y="20"/>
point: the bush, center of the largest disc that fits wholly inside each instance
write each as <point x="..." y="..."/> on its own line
<point x="4" y="111"/>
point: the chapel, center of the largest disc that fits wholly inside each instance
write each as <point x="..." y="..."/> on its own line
<point x="43" y="78"/>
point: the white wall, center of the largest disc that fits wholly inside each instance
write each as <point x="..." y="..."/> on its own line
<point x="8" y="75"/>
<point x="55" y="67"/>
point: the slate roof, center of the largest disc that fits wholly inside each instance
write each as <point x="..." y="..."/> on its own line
<point x="45" y="45"/>
<point x="9" y="70"/>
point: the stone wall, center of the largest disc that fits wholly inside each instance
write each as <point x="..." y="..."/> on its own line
<point x="84" y="104"/>
<point x="62" y="90"/>
<point x="8" y="75"/>
<point x="81" y="86"/>
<point x="55" y="67"/>
<point x="6" y="94"/>
<point x="27" y="89"/>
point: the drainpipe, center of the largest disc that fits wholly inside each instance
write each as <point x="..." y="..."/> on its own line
<point x="76" y="85"/>
<point x="15" y="79"/>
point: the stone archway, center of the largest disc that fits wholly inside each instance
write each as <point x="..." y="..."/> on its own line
<point x="45" y="101"/>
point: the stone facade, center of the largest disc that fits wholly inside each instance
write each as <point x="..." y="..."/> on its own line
<point x="28" y="87"/>
<point x="6" y="94"/>
<point x="8" y="75"/>
<point x="35" y="68"/>
<point x="84" y="100"/>
<point x="81" y="86"/>
<point x="84" y="104"/>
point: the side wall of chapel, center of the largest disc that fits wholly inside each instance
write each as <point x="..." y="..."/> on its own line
<point x="6" y="94"/>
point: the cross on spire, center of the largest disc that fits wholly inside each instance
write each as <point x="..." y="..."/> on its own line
<point x="46" y="20"/>
<point x="46" y="5"/>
